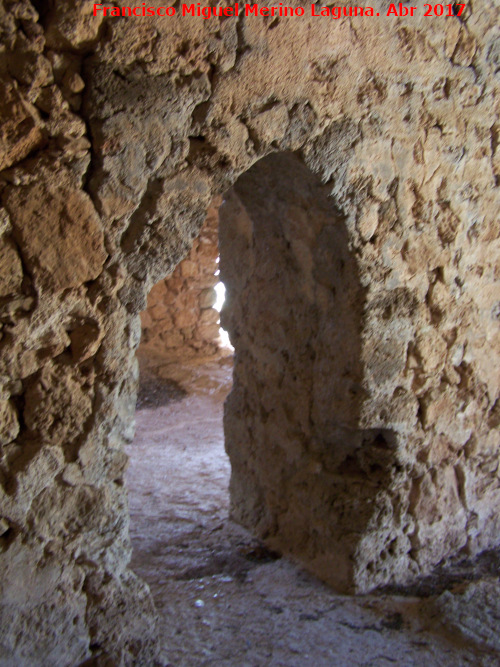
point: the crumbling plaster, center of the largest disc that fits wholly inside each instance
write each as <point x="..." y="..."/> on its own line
<point x="116" y="135"/>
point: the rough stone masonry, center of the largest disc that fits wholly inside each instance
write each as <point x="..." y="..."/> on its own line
<point x="363" y="424"/>
<point x="180" y="319"/>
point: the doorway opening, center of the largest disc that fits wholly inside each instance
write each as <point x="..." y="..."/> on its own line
<point x="179" y="471"/>
<point x="304" y="476"/>
<point x="293" y="305"/>
<point x="184" y="545"/>
<point x="182" y="318"/>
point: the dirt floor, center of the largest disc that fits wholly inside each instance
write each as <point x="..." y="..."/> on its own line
<point x="225" y="600"/>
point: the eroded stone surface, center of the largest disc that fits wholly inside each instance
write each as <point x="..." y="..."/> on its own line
<point x="55" y="223"/>
<point x="343" y="390"/>
<point x="471" y="612"/>
<point x="20" y="132"/>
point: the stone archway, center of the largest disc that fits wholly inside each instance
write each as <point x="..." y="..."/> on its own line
<point x="122" y="132"/>
<point x="295" y="315"/>
<point x="310" y="474"/>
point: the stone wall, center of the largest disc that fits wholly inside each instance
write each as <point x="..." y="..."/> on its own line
<point x="180" y="319"/>
<point x="354" y="397"/>
<point x="116" y="134"/>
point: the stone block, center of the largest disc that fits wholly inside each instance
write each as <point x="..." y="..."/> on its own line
<point x="20" y="129"/>
<point x="9" y="423"/>
<point x="207" y="298"/>
<point x="11" y="270"/>
<point x="59" y="230"/>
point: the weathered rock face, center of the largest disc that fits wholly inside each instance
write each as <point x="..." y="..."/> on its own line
<point x="334" y="456"/>
<point x="116" y="135"/>
<point x="180" y="320"/>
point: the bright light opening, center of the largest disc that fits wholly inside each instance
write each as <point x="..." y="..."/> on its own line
<point x="220" y="291"/>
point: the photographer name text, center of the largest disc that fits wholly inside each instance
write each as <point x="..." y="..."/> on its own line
<point x="207" y="12"/>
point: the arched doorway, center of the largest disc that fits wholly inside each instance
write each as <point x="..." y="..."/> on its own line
<point x="309" y="475"/>
<point x="305" y="474"/>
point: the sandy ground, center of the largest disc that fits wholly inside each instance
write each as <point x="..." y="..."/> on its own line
<point x="223" y="598"/>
